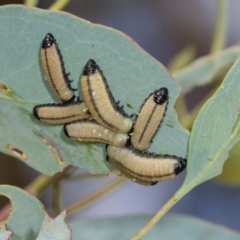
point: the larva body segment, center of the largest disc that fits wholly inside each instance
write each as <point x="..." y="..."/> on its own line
<point x="100" y="101"/>
<point x="53" y="67"/>
<point x="91" y="131"/>
<point x="143" y="167"/>
<point x="149" y="119"/>
<point x="61" y="113"/>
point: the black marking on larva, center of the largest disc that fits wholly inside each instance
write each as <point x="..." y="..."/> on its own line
<point x="95" y="107"/>
<point x="97" y="140"/>
<point x="147" y="154"/>
<point x="160" y="96"/>
<point x="133" y="116"/>
<point x="142" y="175"/>
<point x="81" y="121"/>
<point x="65" y="130"/>
<point x="128" y="143"/>
<point x="178" y="168"/>
<point x="85" y="121"/>
<point x="65" y="104"/>
<point x="47" y="42"/>
<point x="149" y="119"/>
<point x="89" y="69"/>
<point x="35" y="112"/>
<point x="49" y="72"/>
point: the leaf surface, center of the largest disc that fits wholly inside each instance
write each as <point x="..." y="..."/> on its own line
<point x="215" y="131"/>
<point x="55" y="228"/>
<point x="131" y="73"/>
<point x="27" y="213"/>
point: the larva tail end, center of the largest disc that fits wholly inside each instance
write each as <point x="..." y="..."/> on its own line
<point x="160" y="95"/>
<point x="69" y="100"/>
<point x="65" y="130"/>
<point x="35" y="112"/>
<point x="180" y="166"/>
<point x="90" y="67"/>
<point x="48" y="41"/>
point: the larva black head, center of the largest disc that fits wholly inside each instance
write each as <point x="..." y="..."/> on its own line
<point x="90" y="67"/>
<point x="35" y="112"/>
<point x="48" y="41"/>
<point x="160" y="95"/>
<point x="180" y="166"/>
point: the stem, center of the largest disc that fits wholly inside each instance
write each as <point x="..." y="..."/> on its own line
<point x="56" y="203"/>
<point x="219" y="37"/>
<point x="41" y="183"/>
<point x="172" y="201"/>
<point x="59" y="5"/>
<point x="90" y="198"/>
<point x="82" y="176"/>
<point x="31" y="3"/>
<point x="182" y="58"/>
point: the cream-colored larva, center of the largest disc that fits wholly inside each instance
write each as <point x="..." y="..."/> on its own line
<point x="149" y="119"/>
<point x="100" y="101"/>
<point x="143" y="167"/>
<point x="91" y="131"/>
<point x="54" y="70"/>
<point x="61" y="113"/>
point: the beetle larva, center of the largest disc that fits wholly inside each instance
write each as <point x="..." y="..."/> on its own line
<point x="100" y="101"/>
<point x="91" y="131"/>
<point x="143" y="167"/>
<point x="54" y="70"/>
<point x="61" y="113"/>
<point x="149" y="119"/>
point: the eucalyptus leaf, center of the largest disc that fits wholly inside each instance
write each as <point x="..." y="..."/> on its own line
<point x="55" y="228"/>
<point x="202" y="71"/>
<point x="215" y="131"/>
<point x="131" y="73"/>
<point x="169" y="228"/>
<point x="5" y="234"/>
<point x="27" y="213"/>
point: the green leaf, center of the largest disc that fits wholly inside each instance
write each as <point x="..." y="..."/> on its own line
<point x="27" y="213"/>
<point x="169" y="228"/>
<point x="55" y="228"/>
<point x="4" y="233"/>
<point x="214" y="132"/>
<point x="202" y="71"/>
<point x="131" y="73"/>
